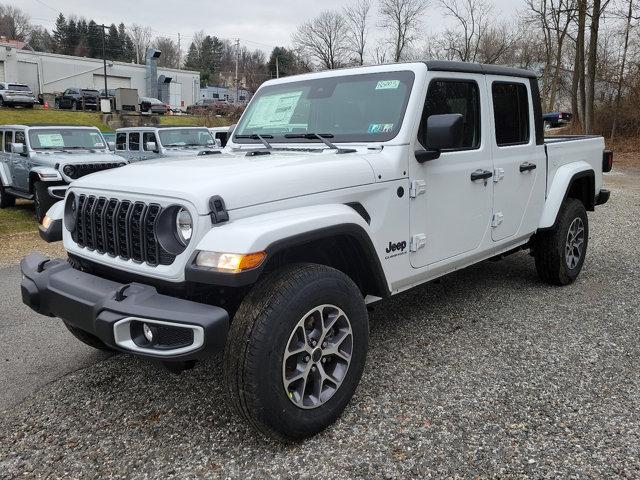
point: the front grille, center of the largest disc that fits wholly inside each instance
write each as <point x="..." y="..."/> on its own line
<point x="75" y="171"/>
<point x="120" y="228"/>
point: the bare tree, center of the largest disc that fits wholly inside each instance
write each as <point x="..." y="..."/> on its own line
<point x="141" y="38"/>
<point x="578" y="80"/>
<point x="402" y="18"/>
<point x="472" y="21"/>
<point x="599" y="7"/>
<point x="14" y="23"/>
<point x="623" y="65"/>
<point x="324" y="39"/>
<point x="356" y="17"/>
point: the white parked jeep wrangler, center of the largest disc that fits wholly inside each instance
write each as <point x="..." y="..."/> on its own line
<point x="337" y="189"/>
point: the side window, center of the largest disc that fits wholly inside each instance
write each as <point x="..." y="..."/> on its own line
<point x="134" y="141"/>
<point x="455" y="96"/>
<point x="20" y="138"/>
<point x="511" y="113"/>
<point x="121" y="141"/>
<point x="148" y="137"/>
<point x="8" y="139"/>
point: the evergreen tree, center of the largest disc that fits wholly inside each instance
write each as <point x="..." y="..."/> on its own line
<point x="114" y="43"/>
<point x="192" y="61"/>
<point x="128" y="51"/>
<point x="94" y="40"/>
<point x="72" y="38"/>
<point x="60" y="34"/>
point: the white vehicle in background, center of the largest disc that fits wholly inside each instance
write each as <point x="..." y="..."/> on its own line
<point x="149" y="143"/>
<point x="221" y="134"/>
<point x="337" y="189"/>
<point x="16" y="95"/>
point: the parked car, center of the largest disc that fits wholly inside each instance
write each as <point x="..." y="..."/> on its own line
<point x="109" y="93"/>
<point x="557" y="119"/>
<point x="38" y="163"/>
<point x="148" y="143"/>
<point x="207" y="106"/>
<point x="16" y="95"/>
<point x="153" y="105"/>
<point x="78" y="99"/>
<point x="337" y="190"/>
<point x="220" y="135"/>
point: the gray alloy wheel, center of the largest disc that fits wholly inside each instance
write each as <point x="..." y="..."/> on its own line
<point x="574" y="244"/>
<point x="317" y="356"/>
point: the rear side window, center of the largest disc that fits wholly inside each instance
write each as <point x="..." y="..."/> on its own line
<point x="447" y="96"/>
<point x="134" y="141"/>
<point x="511" y="113"/>
<point x="148" y="137"/>
<point x="121" y="141"/>
<point x="20" y="138"/>
<point x="8" y="139"/>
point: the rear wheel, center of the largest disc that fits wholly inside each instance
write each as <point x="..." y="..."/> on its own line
<point x="296" y="350"/>
<point x="6" y="199"/>
<point x="42" y="200"/>
<point x="560" y="253"/>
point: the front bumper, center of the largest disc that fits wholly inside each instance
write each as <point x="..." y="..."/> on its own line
<point x="114" y="312"/>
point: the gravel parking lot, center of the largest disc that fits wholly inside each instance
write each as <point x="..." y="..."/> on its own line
<point x="486" y="373"/>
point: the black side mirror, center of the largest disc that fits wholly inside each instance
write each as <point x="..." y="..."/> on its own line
<point x="442" y="132"/>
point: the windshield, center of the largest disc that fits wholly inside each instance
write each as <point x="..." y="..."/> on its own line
<point x="355" y="108"/>
<point x="18" y="88"/>
<point x="186" y="137"/>
<point x="65" y="138"/>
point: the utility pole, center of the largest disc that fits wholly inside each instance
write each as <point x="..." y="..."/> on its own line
<point x="104" y="61"/>
<point x="277" y="67"/>
<point x="179" y="52"/>
<point x="237" y="62"/>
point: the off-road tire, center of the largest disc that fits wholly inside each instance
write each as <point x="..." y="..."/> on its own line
<point x="549" y="245"/>
<point x="259" y="335"/>
<point x="6" y="199"/>
<point x="42" y="201"/>
<point x="88" y="339"/>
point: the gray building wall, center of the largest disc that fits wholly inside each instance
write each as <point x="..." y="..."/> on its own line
<point x="53" y="73"/>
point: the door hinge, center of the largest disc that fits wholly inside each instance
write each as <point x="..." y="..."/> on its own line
<point x="417" y="187"/>
<point x="498" y="174"/>
<point x="418" y="241"/>
<point x="496" y="220"/>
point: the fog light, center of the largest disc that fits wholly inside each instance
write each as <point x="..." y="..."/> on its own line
<point x="148" y="332"/>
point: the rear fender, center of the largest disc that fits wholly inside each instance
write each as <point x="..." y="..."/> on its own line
<point x="559" y="189"/>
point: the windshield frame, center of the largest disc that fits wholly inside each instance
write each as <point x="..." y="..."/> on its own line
<point x="406" y="76"/>
<point x="35" y="131"/>
<point x="189" y="129"/>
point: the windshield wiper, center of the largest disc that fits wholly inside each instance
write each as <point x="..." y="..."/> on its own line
<point x="322" y="137"/>
<point x="255" y="136"/>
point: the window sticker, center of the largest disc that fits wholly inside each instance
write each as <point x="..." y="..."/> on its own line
<point x="388" y="85"/>
<point x="274" y="111"/>
<point x="50" y="140"/>
<point x="377" y="128"/>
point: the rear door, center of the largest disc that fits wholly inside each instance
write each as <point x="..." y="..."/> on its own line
<point x="133" y="146"/>
<point x="450" y="212"/>
<point x="518" y="162"/>
<point x="21" y="164"/>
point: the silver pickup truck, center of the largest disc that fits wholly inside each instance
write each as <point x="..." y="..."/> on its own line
<point x="148" y="143"/>
<point x="38" y="163"/>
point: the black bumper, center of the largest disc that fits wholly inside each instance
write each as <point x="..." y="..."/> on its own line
<point x="96" y="305"/>
<point x="603" y="197"/>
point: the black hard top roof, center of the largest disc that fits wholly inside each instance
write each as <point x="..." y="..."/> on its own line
<point x="481" y="68"/>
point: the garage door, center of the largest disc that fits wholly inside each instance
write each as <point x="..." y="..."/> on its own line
<point x="1" y="71"/>
<point x="113" y="82"/>
<point x="28" y="74"/>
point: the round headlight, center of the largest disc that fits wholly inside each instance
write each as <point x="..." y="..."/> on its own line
<point x="70" y="212"/>
<point x="184" y="226"/>
<point x="69" y="170"/>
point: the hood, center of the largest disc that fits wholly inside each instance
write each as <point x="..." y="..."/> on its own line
<point x="240" y="180"/>
<point x="187" y="152"/>
<point x="61" y="158"/>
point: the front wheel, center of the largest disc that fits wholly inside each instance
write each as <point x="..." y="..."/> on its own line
<point x="42" y="200"/>
<point x="560" y="252"/>
<point x="6" y="199"/>
<point x="296" y="350"/>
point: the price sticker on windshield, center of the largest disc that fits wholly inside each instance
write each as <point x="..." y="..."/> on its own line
<point x="388" y="85"/>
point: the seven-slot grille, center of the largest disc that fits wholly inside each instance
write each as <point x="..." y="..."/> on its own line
<point x="80" y="170"/>
<point x="120" y="228"/>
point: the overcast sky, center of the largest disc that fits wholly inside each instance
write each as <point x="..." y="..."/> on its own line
<point x="258" y="23"/>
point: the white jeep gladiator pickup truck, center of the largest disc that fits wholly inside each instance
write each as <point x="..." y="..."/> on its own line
<point x="337" y="189"/>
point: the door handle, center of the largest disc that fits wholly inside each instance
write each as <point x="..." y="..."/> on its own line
<point x="527" y="166"/>
<point x="481" y="175"/>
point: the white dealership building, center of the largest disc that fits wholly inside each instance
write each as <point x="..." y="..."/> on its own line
<point x="54" y="73"/>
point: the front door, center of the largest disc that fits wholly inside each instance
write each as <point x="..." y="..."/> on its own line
<point x="518" y="161"/>
<point x="148" y="154"/>
<point x="451" y="208"/>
